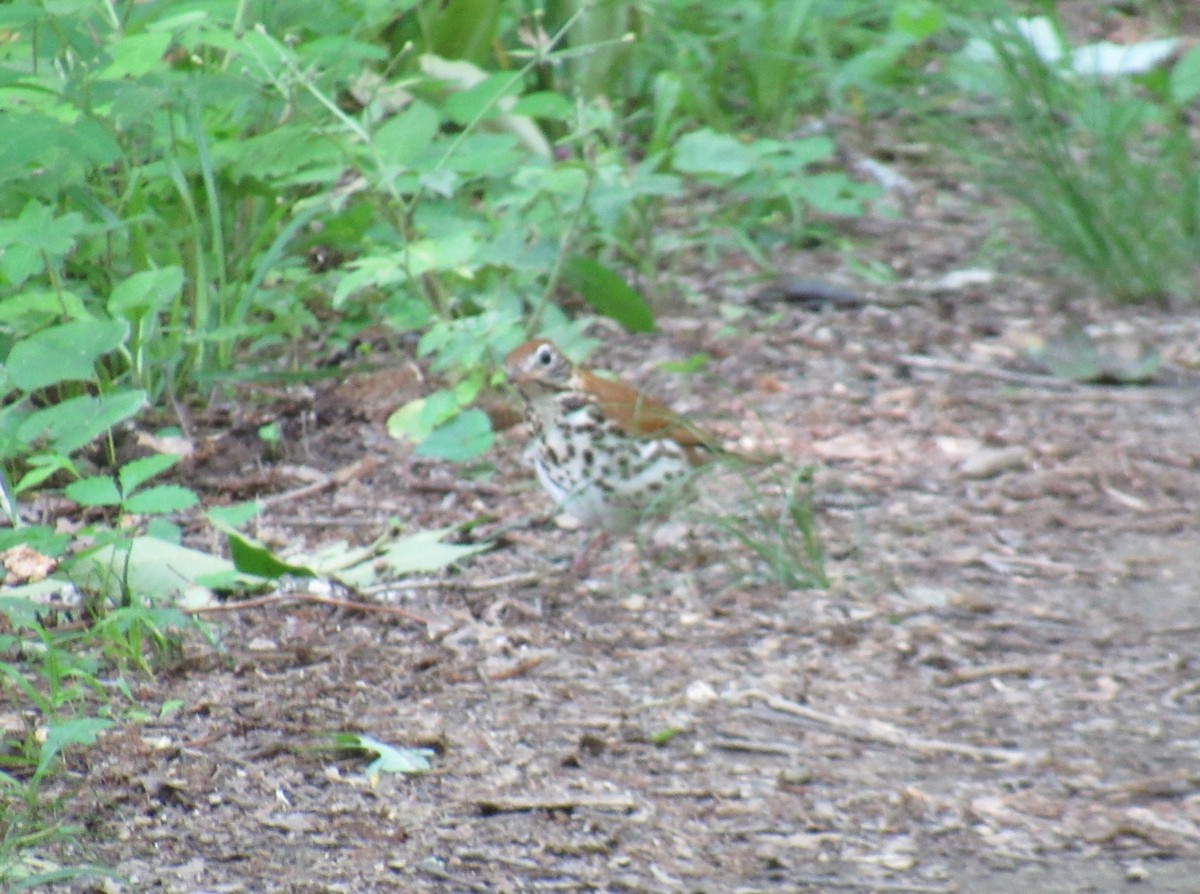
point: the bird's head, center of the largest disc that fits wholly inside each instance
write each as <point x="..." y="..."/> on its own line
<point x="538" y="367"/>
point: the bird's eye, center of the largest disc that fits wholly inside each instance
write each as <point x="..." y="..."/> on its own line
<point x="545" y="358"/>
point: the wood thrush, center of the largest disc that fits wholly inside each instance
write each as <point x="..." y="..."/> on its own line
<point x="605" y="451"/>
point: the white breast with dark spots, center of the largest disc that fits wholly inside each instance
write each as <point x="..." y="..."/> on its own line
<point x="594" y="471"/>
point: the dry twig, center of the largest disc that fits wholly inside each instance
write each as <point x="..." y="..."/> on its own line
<point x="971" y="674"/>
<point x="825" y="883"/>
<point x="286" y="598"/>
<point x="877" y="731"/>
<point x="620" y="803"/>
<point x="341" y="476"/>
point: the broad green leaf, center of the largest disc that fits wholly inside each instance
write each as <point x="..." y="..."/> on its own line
<point x="41" y="306"/>
<point x="154" y="570"/>
<point x="1185" y="77"/>
<point x="420" y="553"/>
<point x="391" y="759"/>
<point x="63" y="353"/>
<point x="137" y="472"/>
<point x="330" y="558"/>
<point x="717" y="154"/>
<point x="461" y="29"/>
<point x="407" y="422"/>
<point x="41" y="538"/>
<point x="137" y="54"/>
<point x="24" y="611"/>
<point x="918" y="19"/>
<point x="77" y="731"/>
<point x="400" y="139"/>
<point x="234" y="515"/>
<point x="145" y="292"/>
<point x="76" y="421"/>
<point x="416" y="419"/>
<point x="251" y="557"/>
<point x="544" y="104"/>
<point x="446" y="253"/>
<point x="99" y="490"/>
<point x="39" y="228"/>
<point x="464" y="437"/>
<point x="482" y="100"/>
<point x="160" y="499"/>
<point x="41" y="467"/>
<point x="424" y="552"/>
<point x="607" y="291"/>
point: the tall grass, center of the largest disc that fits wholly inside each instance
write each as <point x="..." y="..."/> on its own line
<point x="1105" y="167"/>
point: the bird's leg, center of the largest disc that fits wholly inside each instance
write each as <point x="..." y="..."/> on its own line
<point x="583" y="558"/>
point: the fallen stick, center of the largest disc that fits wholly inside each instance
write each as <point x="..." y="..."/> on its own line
<point x="824" y="883"/>
<point x="490" y="806"/>
<point x="971" y="674"/>
<point x="883" y="733"/>
<point x="285" y="598"/>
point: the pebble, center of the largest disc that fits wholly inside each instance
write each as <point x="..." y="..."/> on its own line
<point x="991" y="461"/>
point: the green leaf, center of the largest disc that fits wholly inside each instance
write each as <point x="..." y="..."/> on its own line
<point x="41" y="467"/>
<point x="482" y="100"/>
<point x="78" y="731"/>
<point x="424" y="553"/>
<point x="74" y="422"/>
<point x="42" y="538"/>
<point x="251" y="557"/>
<point x="420" y="553"/>
<point x="718" y="154"/>
<point x="544" y="104"/>
<point x="99" y="490"/>
<point x="137" y="472"/>
<point x="1185" y="77"/>
<point x="390" y="758"/>
<point x="464" y="437"/>
<point x="400" y="139"/>
<point x="415" y="420"/>
<point x="41" y="306"/>
<point x="145" y="293"/>
<point x="136" y="55"/>
<point x="153" y="570"/>
<point x="22" y="612"/>
<point x="27" y="242"/>
<point x="160" y="499"/>
<point x="693" y="364"/>
<point x="233" y="516"/>
<point x="918" y="19"/>
<point x="663" y="736"/>
<point x="63" y="353"/>
<point x="608" y="292"/>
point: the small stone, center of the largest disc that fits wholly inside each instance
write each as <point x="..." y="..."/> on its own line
<point x="795" y="775"/>
<point x="991" y="461"/>
<point x="701" y="693"/>
<point x="1136" y="872"/>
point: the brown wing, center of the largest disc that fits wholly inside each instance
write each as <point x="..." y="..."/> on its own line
<point x="640" y="414"/>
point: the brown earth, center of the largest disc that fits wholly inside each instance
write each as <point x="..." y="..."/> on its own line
<point x="998" y="692"/>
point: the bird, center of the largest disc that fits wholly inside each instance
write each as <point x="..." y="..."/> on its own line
<point x="606" y="452"/>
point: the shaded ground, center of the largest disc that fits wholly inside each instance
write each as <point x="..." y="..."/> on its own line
<point x="998" y="693"/>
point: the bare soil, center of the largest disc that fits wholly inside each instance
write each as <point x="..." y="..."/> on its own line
<point x="999" y="692"/>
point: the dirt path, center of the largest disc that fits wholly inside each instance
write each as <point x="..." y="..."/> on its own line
<point x="998" y="693"/>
